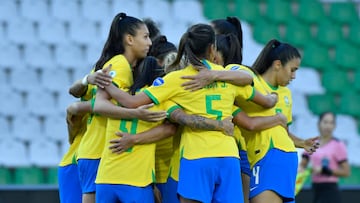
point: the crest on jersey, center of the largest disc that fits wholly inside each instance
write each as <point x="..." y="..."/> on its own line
<point x="112" y="73"/>
<point x="234" y="68"/>
<point x="286" y="99"/>
<point x="158" y="82"/>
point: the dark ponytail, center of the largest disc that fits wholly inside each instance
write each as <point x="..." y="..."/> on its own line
<point x="120" y="26"/>
<point x="274" y="50"/>
<point x="230" y="25"/>
<point x="228" y="45"/>
<point x="194" y="44"/>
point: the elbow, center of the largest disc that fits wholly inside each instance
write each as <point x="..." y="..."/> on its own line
<point x="73" y="108"/>
<point x="250" y="127"/>
<point x="170" y="129"/>
<point x="247" y="125"/>
<point x="73" y="93"/>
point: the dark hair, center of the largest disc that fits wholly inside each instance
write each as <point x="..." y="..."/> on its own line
<point x="147" y="71"/>
<point x="161" y="47"/>
<point x="120" y="26"/>
<point x="194" y="44"/>
<point x="229" y="45"/>
<point x="152" y="27"/>
<point x="322" y="115"/>
<point x="274" y="50"/>
<point x="227" y="26"/>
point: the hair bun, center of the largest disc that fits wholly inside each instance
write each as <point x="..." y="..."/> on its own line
<point x="190" y="35"/>
<point x="276" y="43"/>
<point x="122" y="15"/>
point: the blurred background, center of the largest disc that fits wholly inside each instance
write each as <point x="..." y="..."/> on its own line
<point x="45" y="45"/>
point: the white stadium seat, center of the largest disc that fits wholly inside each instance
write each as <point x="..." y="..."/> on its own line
<point x="8" y="10"/>
<point x="83" y="32"/>
<point x="96" y="11"/>
<point x="26" y="128"/>
<point x="56" y="35"/>
<point x="13" y="154"/>
<point x="44" y="153"/>
<point x="39" y="56"/>
<point x="41" y="103"/>
<point x="69" y="55"/>
<point x="131" y="8"/>
<point x="10" y="105"/>
<point x="55" y="128"/>
<point x="22" y="31"/>
<point x="25" y="80"/>
<point x="65" y="10"/>
<point x="307" y="81"/>
<point x="56" y="80"/>
<point x="10" y="56"/>
<point x="35" y="10"/>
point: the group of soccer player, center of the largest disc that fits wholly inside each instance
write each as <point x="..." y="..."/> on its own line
<point x="158" y="123"/>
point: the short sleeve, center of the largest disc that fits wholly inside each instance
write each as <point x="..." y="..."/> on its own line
<point x="341" y="153"/>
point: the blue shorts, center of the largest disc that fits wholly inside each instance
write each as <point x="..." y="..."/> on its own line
<point x="69" y="184"/>
<point x="170" y="193"/>
<point x="275" y="172"/>
<point x="106" y="193"/>
<point x="244" y="163"/>
<point x="211" y="180"/>
<point x="162" y="188"/>
<point x="87" y="173"/>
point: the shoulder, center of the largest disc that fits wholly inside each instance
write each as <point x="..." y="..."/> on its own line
<point x="337" y="141"/>
<point x="118" y="60"/>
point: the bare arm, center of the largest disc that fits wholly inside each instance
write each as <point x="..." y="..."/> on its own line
<point x="309" y="145"/>
<point x="206" y="77"/>
<point x="79" y="108"/>
<point x="259" y="123"/>
<point x="343" y="170"/>
<point x="127" y="100"/>
<point x="199" y="122"/>
<point x="78" y="89"/>
<point x="75" y="119"/>
<point x="155" y="134"/>
<point x="266" y="101"/>
<point x="99" y="78"/>
<point x="167" y="129"/>
<point x="105" y="107"/>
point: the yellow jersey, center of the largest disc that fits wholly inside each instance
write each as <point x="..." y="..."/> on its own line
<point x="214" y="101"/>
<point x="92" y="144"/>
<point x="136" y="166"/>
<point x="258" y="143"/>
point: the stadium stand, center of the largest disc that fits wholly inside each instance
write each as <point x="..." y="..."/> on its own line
<point x="55" y="40"/>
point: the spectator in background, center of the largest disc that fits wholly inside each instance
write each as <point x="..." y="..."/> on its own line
<point x="328" y="163"/>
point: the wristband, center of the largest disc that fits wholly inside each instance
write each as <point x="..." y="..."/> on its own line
<point x="85" y="81"/>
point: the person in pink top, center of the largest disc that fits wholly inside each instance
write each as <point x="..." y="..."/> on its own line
<point x="328" y="163"/>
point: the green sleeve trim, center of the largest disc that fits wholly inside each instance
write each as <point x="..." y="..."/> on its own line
<point x="151" y="97"/>
<point x="114" y="83"/>
<point x="288" y="124"/>
<point x="252" y="95"/>
<point x="238" y="110"/>
<point x="172" y="109"/>
<point x="92" y="103"/>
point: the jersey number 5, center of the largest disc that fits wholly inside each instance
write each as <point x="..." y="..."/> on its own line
<point x="209" y="106"/>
